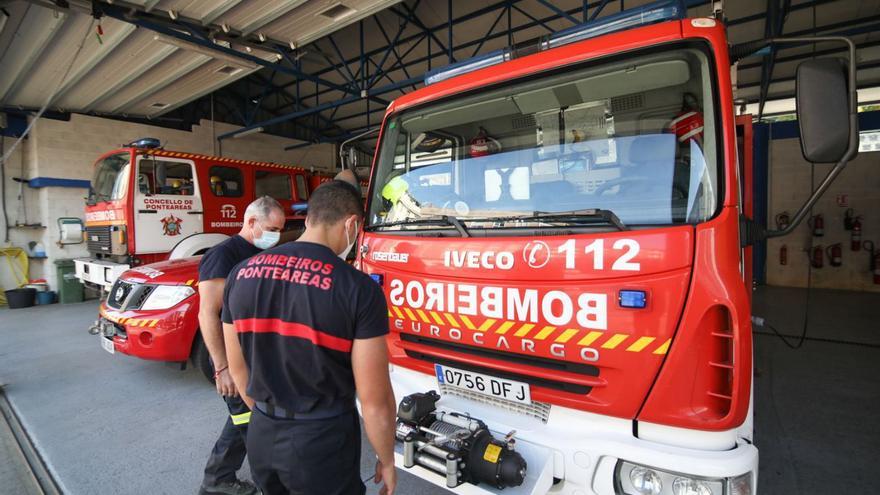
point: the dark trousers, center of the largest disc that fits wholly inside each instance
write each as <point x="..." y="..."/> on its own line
<point x="306" y="457"/>
<point x="230" y="449"/>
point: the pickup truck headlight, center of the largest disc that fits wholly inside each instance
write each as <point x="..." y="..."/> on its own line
<point x="636" y="479"/>
<point x="166" y="296"/>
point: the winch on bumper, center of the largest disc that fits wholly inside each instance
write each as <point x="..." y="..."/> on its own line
<point x="455" y="445"/>
<point x="579" y="453"/>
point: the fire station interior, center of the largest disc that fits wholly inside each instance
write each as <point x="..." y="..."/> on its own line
<point x="133" y="135"/>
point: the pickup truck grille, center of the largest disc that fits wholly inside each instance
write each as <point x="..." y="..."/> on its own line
<point x="128" y="295"/>
<point x="537" y="362"/>
<point x="98" y="239"/>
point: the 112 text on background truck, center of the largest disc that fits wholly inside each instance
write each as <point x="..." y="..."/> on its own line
<point x="562" y="231"/>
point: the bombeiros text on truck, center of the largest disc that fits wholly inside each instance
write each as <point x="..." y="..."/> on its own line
<point x="562" y="230"/>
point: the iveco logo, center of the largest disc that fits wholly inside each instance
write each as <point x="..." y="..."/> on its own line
<point x="536" y="254"/>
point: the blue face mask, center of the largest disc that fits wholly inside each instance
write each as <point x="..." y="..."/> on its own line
<point x="267" y="240"/>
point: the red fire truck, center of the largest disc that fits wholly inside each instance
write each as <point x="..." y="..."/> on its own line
<point x="561" y="230"/>
<point x="151" y="310"/>
<point x="148" y="204"/>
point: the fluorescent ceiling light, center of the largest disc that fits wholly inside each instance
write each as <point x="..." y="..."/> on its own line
<point x="217" y="54"/>
<point x="248" y="132"/>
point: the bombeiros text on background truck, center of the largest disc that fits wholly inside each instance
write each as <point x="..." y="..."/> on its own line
<point x="562" y="230"/>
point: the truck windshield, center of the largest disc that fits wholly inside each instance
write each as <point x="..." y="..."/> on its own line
<point x="635" y="137"/>
<point x="111" y="178"/>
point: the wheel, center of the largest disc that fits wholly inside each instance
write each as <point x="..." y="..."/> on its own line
<point x="201" y="359"/>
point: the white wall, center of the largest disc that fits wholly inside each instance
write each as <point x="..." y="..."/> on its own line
<point x="790" y="187"/>
<point x="68" y="150"/>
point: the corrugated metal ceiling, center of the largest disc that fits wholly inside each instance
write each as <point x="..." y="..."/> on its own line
<point x="136" y="72"/>
<point x="132" y="71"/>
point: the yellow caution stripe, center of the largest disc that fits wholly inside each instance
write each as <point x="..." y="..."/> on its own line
<point x="578" y="336"/>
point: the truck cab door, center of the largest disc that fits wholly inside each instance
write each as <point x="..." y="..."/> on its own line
<point x="167" y="204"/>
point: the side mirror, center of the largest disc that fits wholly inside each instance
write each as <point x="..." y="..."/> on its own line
<point x="823" y="109"/>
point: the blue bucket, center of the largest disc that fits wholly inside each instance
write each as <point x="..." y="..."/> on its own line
<point x="46" y="297"/>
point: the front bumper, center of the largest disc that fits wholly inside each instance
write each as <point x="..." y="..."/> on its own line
<point x="579" y="449"/>
<point x="98" y="272"/>
<point x="161" y="335"/>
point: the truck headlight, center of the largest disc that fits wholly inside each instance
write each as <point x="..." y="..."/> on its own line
<point x="636" y="479"/>
<point x="645" y="481"/>
<point x="166" y="296"/>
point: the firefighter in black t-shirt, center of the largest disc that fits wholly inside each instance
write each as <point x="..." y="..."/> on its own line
<point x="305" y="332"/>
<point x="263" y="221"/>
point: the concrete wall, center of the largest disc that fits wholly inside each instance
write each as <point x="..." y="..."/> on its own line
<point x="790" y="187"/>
<point x="68" y="149"/>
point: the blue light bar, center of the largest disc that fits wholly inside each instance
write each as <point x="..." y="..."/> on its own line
<point x="637" y="299"/>
<point x="149" y="143"/>
<point x="469" y="65"/>
<point x="651" y="13"/>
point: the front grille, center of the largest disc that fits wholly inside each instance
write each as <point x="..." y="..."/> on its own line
<point x="540" y="410"/>
<point x="98" y="239"/>
<point x="119" y="293"/>
<point x="538" y="362"/>
<point x="128" y="295"/>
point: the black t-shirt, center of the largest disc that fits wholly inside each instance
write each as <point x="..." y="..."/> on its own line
<point x="222" y="258"/>
<point x="297" y="309"/>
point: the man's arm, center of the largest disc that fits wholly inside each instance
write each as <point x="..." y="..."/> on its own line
<point x="369" y="360"/>
<point x="210" y="304"/>
<point x="237" y="365"/>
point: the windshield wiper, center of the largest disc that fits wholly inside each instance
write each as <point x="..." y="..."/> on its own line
<point x="438" y="220"/>
<point x="572" y="215"/>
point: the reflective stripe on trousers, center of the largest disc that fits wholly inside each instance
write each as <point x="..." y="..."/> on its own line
<point x="241" y="419"/>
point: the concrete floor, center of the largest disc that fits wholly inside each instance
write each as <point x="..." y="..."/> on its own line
<point x="114" y="424"/>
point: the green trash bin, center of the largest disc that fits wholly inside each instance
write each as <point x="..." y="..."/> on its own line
<point x="70" y="289"/>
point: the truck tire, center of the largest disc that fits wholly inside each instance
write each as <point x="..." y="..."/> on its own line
<point x="201" y="359"/>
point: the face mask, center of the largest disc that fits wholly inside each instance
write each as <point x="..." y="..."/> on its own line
<point x="267" y="240"/>
<point x="349" y="241"/>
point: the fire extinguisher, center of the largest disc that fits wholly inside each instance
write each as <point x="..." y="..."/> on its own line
<point x="856" y="234"/>
<point x="817" y="224"/>
<point x="835" y="254"/>
<point x="783" y="255"/>
<point x="783" y="220"/>
<point x="817" y="257"/>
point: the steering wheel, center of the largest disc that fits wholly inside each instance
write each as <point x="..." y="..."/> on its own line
<point x="647" y="182"/>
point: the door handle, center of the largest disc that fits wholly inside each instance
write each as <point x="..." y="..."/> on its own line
<point x="193" y="213"/>
<point x="147" y="211"/>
